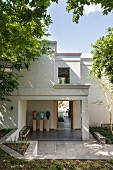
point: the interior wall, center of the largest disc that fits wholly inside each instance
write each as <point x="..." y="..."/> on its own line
<point x="77" y="115"/>
<point x="40" y="106"/>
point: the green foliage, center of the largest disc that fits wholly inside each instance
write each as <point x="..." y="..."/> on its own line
<point x="110" y="161"/>
<point x="6" y="164"/>
<point x="43" y="164"/>
<point x="9" y="82"/>
<point x="77" y="7"/>
<point x="13" y="161"/>
<point x="103" y="56"/>
<point x="102" y="49"/>
<point x="23" y="29"/>
<point x="57" y="165"/>
<point x="35" y="166"/>
<point x="72" y="166"/>
<point x="23" y="161"/>
<point x="3" y="154"/>
<point x="18" y="147"/>
<point x="105" y="131"/>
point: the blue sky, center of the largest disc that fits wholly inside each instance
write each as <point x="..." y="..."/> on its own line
<point x="72" y="37"/>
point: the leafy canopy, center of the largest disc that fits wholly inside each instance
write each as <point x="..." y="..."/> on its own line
<point x="103" y="56"/>
<point x="103" y="48"/>
<point x="77" y="7"/>
<point x="23" y="28"/>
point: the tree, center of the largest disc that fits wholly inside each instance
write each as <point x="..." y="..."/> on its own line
<point x="102" y="50"/>
<point x="102" y="67"/>
<point x="77" y="6"/>
<point x="103" y="56"/>
<point x="23" y="28"/>
<point x="107" y="90"/>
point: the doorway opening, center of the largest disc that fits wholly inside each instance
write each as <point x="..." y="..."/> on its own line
<point x="64" y="115"/>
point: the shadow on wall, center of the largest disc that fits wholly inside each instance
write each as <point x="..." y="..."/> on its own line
<point x="86" y="65"/>
<point x="40" y="74"/>
<point x="97" y="113"/>
<point x="74" y="78"/>
<point x="74" y="69"/>
<point x="6" y="116"/>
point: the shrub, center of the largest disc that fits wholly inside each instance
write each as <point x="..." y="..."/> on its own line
<point x="105" y="131"/>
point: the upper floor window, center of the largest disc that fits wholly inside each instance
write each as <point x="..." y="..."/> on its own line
<point x="64" y="75"/>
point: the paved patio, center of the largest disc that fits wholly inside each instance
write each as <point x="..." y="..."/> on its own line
<point x="74" y="150"/>
<point x="67" y="134"/>
<point x="64" y="150"/>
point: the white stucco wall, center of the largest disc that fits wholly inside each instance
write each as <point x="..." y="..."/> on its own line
<point x="22" y="108"/>
<point x="8" y="117"/>
<point x="38" y="83"/>
<point x="38" y="87"/>
<point x="97" y="113"/>
<point x="71" y="61"/>
<point x="40" y="106"/>
<point x="39" y="79"/>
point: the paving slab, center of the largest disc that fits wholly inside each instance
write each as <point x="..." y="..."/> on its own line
<point x="65" y="150"/>
<point x="74" y="150"/>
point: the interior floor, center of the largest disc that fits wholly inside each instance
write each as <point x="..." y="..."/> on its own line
<point x="64" y="122"/>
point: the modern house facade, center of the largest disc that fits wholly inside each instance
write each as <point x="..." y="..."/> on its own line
<point x="58" y="77"/>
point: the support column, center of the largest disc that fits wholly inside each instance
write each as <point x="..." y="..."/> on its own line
<point x="55" y="114"/>
<point x="73" y="114"/>
<point x="85" y="119"/>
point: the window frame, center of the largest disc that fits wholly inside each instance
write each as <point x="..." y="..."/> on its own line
<point x="66" y="79"/>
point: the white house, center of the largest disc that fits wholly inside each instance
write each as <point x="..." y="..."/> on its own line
<point x="59" y="77"/>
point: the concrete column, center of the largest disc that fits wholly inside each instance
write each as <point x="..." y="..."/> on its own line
<point x="73" y="115"/>
<point x="85" y="119"/>
<point x="22" y="107"/>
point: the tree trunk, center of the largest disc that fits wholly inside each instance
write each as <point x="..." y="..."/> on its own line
<point x="111" y="121"/>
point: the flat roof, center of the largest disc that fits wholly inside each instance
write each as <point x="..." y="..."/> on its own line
<point x="68" y="54"/>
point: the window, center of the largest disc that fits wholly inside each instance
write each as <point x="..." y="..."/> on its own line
<point x="63" y="75"/>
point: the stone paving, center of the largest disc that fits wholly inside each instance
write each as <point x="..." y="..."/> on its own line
<point x="64" y="150"/>
<point x="74" y="150"/>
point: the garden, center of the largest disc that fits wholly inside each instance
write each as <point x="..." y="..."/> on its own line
<point x="10" y="163"/>
<point x="3" y="132"/>
<point x="104" y="131"/>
